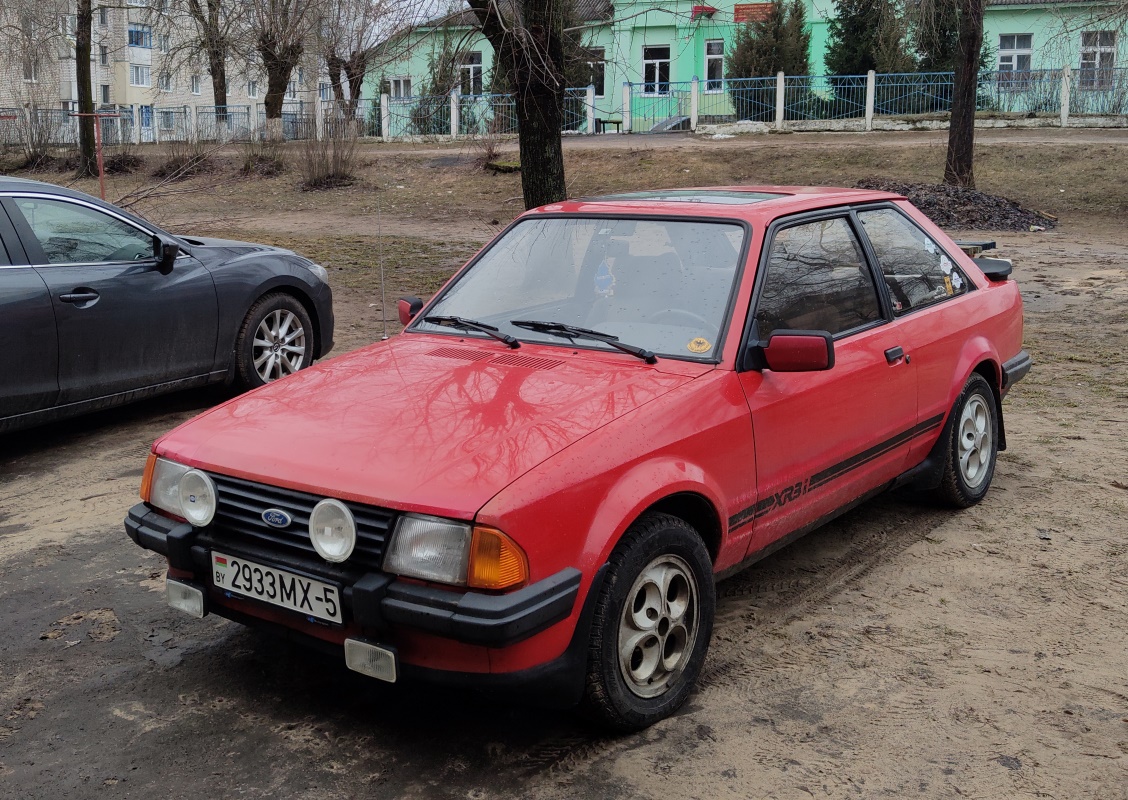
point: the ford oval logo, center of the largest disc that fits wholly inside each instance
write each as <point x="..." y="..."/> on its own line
<point x="277" y="518"/>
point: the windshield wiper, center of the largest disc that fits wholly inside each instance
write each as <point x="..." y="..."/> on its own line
<point x="473" y="325"/>
<point x="574" y="332"/>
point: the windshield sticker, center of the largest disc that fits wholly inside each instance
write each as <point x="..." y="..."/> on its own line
<point x="604" y="280"/>
<point x="699" y="345"/>
<point x="929" y="246"/>
<point x="957" y="281"/>
<point x="946" y="265"/>
<point x="948" y="284"/>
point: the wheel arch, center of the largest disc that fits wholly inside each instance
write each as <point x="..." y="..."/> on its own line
<point x="992" y="372"/>
<point x="306" y="302"/>
<point x="697" y="511"/>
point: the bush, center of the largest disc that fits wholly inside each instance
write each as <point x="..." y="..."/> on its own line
<point x="330" y="162"/>
<point x="262" y="156"/>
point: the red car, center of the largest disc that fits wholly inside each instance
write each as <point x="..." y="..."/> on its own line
<point x="616" y="403"/>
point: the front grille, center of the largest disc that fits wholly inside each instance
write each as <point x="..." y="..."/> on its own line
<point x="238" y="519"/>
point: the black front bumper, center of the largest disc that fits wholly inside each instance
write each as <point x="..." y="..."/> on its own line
<point x="376" y="600"/>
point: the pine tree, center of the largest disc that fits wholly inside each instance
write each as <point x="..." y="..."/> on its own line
<point x="868" y="34"/>
<point x="778" y="43"/>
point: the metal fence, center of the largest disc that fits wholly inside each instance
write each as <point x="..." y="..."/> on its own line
<point x="486" y="115"/>
<point x="737" y="99"/>
<point x="911" y="93"/>
<point x="1036" y="91"/>
<point x="575" y="111"/>
<point x="223" y="123"/>
<point x="660" y="106"/>
<point x="1099" y="91"/>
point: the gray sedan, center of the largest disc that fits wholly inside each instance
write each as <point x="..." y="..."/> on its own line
<point x="99" y="307"/>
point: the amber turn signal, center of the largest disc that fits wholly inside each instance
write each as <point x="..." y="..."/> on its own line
<point x="147" y="478"/>
<point x="496" y="561"/>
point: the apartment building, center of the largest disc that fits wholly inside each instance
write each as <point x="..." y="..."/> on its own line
<point x="141" y="62"/>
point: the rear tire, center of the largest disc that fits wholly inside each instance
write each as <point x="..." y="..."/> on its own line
<point x="275" y="340"/>
<point x="973" y="444"/>
<point x="652" y="624"/>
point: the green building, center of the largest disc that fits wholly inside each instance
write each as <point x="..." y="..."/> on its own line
<point x="660" y="47"/>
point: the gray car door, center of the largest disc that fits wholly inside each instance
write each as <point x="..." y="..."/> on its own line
<point x="29" y="353"/>
<point x="121" y="324"/>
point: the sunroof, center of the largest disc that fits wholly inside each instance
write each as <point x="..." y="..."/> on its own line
<point x="728" y="198"/>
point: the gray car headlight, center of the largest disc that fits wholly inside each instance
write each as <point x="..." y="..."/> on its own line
<point x="430" y="548"/>
<point x="318" y="270"/>
<point x="164" y="490"/>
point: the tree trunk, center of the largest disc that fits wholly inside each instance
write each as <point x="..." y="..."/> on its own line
<point x="356" y="66"/>
<point x="530" y="53"/>
<point x="959" y="168"/>
<point x="279" y="61"/>
<point x="210" y="24"/>
<point x="87" y="155"/>
<point x="217" y="68"/>
<point x="335" y="66"/>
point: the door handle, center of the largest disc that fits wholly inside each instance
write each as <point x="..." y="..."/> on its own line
<point x="78" y="297"/>
<point x="894" y="354"/>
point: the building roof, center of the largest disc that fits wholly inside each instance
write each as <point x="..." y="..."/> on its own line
<point x="585" y="10"/>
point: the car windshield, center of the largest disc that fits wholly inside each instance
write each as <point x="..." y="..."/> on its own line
<point x="662" y="285"/>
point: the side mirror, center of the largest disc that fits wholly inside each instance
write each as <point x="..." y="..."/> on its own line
<point x="408" y="308"/>
<point x="165" y="252"/>
<point x="797" y="351"/>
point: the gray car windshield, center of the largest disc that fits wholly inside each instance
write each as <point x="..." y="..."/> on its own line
<point x="661" y="285"/>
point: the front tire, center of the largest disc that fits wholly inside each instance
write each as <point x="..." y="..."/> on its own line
<point x="275" y="340"/>
<point x="973" y="444"/>
<point x="652" y="625"/>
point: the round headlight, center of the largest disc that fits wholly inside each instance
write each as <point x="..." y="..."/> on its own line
<point x="332" y="530"/>
<point x="197" y="498"/>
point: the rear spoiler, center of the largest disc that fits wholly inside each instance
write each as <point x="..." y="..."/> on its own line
<point x="996" y="269"/>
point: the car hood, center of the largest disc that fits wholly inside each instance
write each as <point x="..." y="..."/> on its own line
<point x="211" y="251"/>
<point x="423" y="422"/>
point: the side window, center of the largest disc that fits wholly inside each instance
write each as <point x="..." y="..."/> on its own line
<point x="817" y="279"/>
<point x="914" y="268"/>
<point x="74" y="234"/>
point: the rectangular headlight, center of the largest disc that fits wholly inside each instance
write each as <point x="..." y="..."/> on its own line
<point x="164" y="491"/>
<point x="429" y="548"/>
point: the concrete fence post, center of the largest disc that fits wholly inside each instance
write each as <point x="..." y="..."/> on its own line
<point x="319" y="122"/>
<point x="386" y="117"/>
<point x="455" y="112"/>
<point x="626" y="108"/>
<point x="781" y="88"/>
<point x="589" y="108"/>
<point x="117" y="125"/>
<point x="871" y="94"/>
<point x="694" y="102"/>
<point x="156" y="125"/>
<point x="136" y="124"/>
<point x="1065" y="86"/>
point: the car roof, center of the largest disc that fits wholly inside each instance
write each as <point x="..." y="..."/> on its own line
<point x="753" y="203"/>
<point x="12" y="184"/>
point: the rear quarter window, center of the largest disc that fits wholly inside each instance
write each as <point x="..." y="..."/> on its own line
<point x="917" y="272"/>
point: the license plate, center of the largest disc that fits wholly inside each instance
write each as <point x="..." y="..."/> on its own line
<point x="277" y="587"/>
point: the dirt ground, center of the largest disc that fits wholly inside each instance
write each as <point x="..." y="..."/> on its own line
<point x="900" y="651"/>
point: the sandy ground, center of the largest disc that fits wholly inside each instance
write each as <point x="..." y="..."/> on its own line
<point x="901" y="651"/>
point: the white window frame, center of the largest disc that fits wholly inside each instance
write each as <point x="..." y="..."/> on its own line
<point x="164" y="81"/>
<point x="1097" y="75"/>
<point x="194" y="84"/>
<point x="1012" y="77"/>
<point x="292" y="90"/>
<point x="400" y="86"/>
<point x="103" y="16"/>
<point x="325" y="91"/>
<point x="720" y="82"/>
<point x="164" y="43"/>
<point x="103" y="55"/>
<point x="252" y="89"/>
<point x="104" y="93"/>
<point x="30" y="70"/>
<point x="656" y="63"/>
<point x="471" y="74"/>
<point x="600" y="88"/>
<point x="139" y="73"/>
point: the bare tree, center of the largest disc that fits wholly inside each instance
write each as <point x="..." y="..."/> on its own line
<point x="87" y="157"/>
<point x="213" y="30"/>
<point x="279" y="30"/>
<point x="528" y="41"/>
<point x="959" y="167"/>
<point x="347" y="31"/>
<point x="31" y="39"/>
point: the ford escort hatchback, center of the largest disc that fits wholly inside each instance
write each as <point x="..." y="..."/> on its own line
<point x="613" y="405"/>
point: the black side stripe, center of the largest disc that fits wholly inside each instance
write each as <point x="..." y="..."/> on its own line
<point x="781" y="498"/>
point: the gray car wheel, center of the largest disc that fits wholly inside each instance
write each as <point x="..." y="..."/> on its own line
<point x="275" y="340"/>
<point x="972" y="446"/>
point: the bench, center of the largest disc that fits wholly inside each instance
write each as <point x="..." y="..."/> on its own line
<point x="601" y="124"/>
